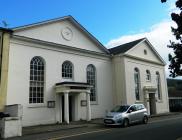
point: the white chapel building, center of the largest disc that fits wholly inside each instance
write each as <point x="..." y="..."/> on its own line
<point x="59" y="72"/>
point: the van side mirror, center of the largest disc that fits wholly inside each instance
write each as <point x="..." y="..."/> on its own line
<point x="129" y="111"/>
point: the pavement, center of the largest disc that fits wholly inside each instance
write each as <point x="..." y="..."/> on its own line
<point x="53" y="127"/>
<point x="58" y="127"/>
<point x="165" y="114"/>
<point x="34" y="130"/>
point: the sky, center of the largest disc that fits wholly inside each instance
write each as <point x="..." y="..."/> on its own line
<point x="112" y="22"/>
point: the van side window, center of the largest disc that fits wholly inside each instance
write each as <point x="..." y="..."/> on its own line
<point x="140" y="107"/>
<point x="133" y="108"/>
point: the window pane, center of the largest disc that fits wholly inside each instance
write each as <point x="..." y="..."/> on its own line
<point x="67" y="70"/>
<point x="91" y="77"/>
<point x="137" y="84"/>
<point x="30" y="100"/>
<point x="36" y="80"/>
<point x="148" y="76"/>
<point x="158" y="85"/>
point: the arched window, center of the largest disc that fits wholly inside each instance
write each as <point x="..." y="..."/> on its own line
<point x="145" y="52"/>
<point x="91" y="79"/>
<point x="137" y="83"/>
<point x="36" y="90"/>
<point x="67" y="70"/>
<point x="148" y="76"/>
<point x="158" y="85"/>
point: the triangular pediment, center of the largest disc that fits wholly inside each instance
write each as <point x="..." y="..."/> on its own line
<point x="145" y="51"/>
<point x="66" y="31"/>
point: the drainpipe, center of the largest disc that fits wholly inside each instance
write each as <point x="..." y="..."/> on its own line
<point x="1" y="55"/>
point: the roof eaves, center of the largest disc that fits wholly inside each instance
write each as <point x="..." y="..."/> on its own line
<point x="27" y="39"/>
<point x="39" y="23"/>
<point x="142" y="59"/>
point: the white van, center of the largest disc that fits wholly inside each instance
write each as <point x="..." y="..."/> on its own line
<point x="126" y="115"/>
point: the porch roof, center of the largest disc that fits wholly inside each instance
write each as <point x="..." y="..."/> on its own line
<point x="78" y="84"/>
<point x="72" y="87"/>
<point x="149" y="88"/>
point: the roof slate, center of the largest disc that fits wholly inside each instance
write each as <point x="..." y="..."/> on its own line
<point x="124" y="47"/>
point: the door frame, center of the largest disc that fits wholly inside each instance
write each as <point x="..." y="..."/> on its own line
<point x="152" y="103"/>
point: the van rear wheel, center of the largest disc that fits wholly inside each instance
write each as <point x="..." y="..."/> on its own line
<point x="145" y="119"/>
<point x="125" y="123"/>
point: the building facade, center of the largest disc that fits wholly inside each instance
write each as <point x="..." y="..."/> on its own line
<point x="140" y="66"/>
<point x="60" y="73"/>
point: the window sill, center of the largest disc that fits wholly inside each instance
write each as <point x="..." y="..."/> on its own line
<point x="160" y="101"/>
<point x="138" y="101"/>
<point x="36" y="105"/>
<point x="67" y="79"/>
<point x="93" y="103"/>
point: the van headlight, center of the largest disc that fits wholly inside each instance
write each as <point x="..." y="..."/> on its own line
<point x="117" y="117"/>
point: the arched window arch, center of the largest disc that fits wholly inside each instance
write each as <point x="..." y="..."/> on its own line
<point x="158" y="81"/>
<point x="137" y="83"/>
<point x="67" y="70"/>
<point x="91" y="79"/>
<point x="148" y="75"/>
<point x="36" y="90"/>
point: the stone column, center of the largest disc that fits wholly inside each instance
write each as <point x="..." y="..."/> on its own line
<point x="66" y="107"/>
<point x="145" y="98"/>
<point x="57" y="108"/>
<point x="146" y="101"/>
<point x="88" y="107"/>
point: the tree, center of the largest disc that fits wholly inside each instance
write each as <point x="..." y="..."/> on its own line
<point x="175" y="59"/>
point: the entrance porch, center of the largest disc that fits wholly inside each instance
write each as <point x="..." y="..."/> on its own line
<point x="72" y="98"/>
<point x="150" y="99"/>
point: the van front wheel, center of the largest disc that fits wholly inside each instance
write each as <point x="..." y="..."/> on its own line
<point x="125" y="123"/>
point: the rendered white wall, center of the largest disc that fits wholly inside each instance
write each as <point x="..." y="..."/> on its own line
<point x="123" y="68"/>
<point x="18" y="82"/>
<point x="118" y="80"/>
<point x="130" y="64"/>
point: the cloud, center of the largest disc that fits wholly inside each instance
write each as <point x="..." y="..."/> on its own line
<point x="172" y="7"/>
<point x="158" y="35"/>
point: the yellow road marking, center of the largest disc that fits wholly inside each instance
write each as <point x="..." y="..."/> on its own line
<point x="74" y="135"/>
